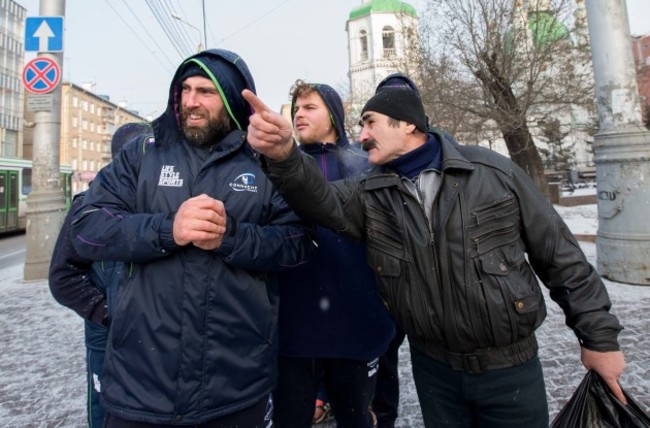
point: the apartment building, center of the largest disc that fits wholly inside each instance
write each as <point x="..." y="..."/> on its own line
<point x="12" y="53"/>
<point x="88" y="122"/>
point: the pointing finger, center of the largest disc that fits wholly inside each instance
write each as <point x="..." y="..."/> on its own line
<point x="254" y="101"/>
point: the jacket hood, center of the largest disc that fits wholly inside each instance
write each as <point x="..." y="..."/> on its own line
<point x="334" y="105"/>
<point x="230" y="76"/>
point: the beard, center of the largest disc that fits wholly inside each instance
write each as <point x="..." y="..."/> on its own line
<point x="204" y="136"/>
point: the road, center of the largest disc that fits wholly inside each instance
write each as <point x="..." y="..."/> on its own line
<point x="12" y="250"/>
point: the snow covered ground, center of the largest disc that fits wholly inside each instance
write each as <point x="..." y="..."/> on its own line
<point x="42" y="365"/>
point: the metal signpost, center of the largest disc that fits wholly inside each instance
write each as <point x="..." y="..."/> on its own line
<point x="41" y="77"/>
<point x="622" y="149"/>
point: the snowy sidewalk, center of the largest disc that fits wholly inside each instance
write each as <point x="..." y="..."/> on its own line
<point x="42" y="366"/>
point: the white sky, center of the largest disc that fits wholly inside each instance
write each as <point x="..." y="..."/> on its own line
<point x="280" y="40"/>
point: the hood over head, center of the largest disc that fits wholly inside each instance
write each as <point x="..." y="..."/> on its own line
<point x="230" y="76"/>
<point x="334" y="105"/>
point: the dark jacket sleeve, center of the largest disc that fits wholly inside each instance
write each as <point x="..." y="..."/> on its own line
<point x="560" y="263"/>
<point x="108" y="227"/>
<point x="69" y="276"/>
<point x="337" y="205"/>
<point x="283" y="242"/>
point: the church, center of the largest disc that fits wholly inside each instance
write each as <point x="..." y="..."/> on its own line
<point x="383" y="38"/>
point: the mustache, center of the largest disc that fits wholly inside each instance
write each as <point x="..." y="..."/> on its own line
<point x="367" y="145"/>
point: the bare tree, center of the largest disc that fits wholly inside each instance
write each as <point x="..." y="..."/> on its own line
<point x="491" y="60"/>
<point x="558" y="155"/>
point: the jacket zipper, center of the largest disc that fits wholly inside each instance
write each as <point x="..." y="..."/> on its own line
<point x="433" y="255"/>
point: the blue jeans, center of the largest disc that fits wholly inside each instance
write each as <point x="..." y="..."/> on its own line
<point x="511" y="397"/>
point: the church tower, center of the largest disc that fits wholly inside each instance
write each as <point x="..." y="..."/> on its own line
<point x="382" y="36"/>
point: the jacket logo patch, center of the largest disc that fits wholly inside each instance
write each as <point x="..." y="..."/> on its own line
<point x="170" y="178"/>
<point x="244" y="183"/>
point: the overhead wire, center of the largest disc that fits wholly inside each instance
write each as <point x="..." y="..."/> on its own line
<point x="145" y="29"/>
<point x="167" y="29"/>
<point x="184" y="15"/>
<point x="153" y="53"/>
<point x="180" y="27"/>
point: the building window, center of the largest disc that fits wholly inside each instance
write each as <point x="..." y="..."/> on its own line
<point x="388" y="41"/>
<point x="363" y="37"/>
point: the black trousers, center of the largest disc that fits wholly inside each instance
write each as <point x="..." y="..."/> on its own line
<point x="386" y="400"/>
<point x="350" y="385"/>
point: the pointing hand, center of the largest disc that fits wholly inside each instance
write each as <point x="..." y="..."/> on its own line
<point x="269" y="133"/>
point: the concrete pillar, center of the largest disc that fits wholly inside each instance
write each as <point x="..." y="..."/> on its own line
<point x="46" y="202"/>
<point x="622" y="149"/>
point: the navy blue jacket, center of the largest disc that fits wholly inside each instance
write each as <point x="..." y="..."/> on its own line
<point x="330" y="307"/>
<point x="80" y="284"/>
<point x="194" y="332"/>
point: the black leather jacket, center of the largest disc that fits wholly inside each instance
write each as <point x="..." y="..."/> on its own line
<point x="465" y="281"/>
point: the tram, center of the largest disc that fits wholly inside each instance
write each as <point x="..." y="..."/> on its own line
<point x="15" y="185"/>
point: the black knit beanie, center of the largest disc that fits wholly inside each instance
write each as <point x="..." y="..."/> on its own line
<point x="191" y="70"/>
<point x="399" y="103"/>
<point x="126" y="133"/>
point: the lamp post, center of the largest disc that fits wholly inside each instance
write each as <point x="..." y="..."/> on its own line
<point x="178" y="18"/>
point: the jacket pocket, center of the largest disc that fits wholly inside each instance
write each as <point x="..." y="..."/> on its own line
<point x="497" y="209"/>
<point x="514" y="303"/>
<point x="494" y="225"/>
<point x="388" y="272"/>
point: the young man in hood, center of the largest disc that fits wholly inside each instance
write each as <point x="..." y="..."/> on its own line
<point x="459" y="238"/>
<point x="333" y="325"/>
<point x="193" y="339"/>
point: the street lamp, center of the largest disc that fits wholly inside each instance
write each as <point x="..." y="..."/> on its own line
<point x="178" y="18"/>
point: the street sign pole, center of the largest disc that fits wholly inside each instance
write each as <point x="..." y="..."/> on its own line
<point x="46" y="202"/>
<point x="622" y="149"/>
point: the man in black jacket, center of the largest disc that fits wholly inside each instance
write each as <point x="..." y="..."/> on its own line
<point x="455" y="236"/>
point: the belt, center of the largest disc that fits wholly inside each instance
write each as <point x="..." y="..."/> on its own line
<point x="484" y="359"/>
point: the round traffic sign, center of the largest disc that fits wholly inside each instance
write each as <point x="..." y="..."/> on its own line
<point x="41" y="75"/>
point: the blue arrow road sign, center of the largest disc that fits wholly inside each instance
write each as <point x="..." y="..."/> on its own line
<point x="44" y="34"/>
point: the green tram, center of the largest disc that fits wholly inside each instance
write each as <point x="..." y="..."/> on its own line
<point x="15" y="185"/>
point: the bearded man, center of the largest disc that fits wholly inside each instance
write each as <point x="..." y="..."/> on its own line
<point x="193" y="339"/>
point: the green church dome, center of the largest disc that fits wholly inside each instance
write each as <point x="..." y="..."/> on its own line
<point x="545" y="29"/>
<point x="394" y="6"/>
